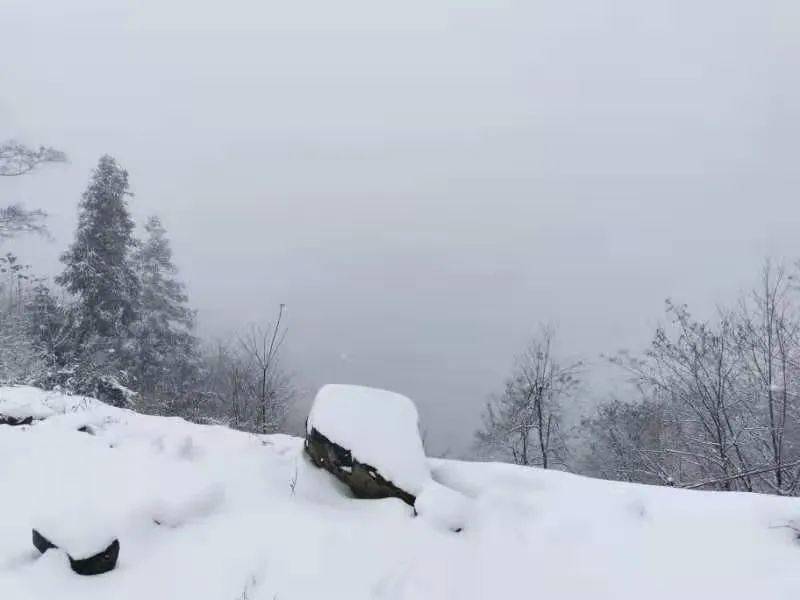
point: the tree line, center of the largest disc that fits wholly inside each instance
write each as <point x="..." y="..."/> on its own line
<point x="116" y="323"/>
<point x="715" y="403"/>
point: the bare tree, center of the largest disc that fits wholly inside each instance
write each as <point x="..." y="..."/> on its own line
<point x="234" y="378"/>
<point x="243" y="383"/>
<point x="523" y="422"/>
<point x="17" y="159"/>
<point x="695" y="371"/>
<point x="15" y="219"/>
<point x="19" y="359"/>
<point x="261" y="346"/>
<point x="767" y="336"/>
<point x="624" y="441"/>
<point x="719" y="404"/>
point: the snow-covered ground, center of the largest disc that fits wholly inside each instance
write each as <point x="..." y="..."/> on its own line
<point x="206" y="513"/>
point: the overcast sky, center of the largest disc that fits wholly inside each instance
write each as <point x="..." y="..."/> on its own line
<point x="423" y="182"/>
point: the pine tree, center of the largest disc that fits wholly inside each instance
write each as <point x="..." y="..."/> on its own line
<point x="166" y="348"/>
<point x="99" y="272"/>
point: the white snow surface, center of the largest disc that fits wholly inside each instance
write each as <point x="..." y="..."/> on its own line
<point x="206" y="513"/>
<point x="380" y="428"/>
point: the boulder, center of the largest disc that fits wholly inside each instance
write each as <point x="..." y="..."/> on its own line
<point x="363" y="479"/>
<point x="95" y="564"/>
<point x="369" y="439"/>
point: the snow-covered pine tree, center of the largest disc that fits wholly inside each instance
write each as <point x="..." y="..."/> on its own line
<point x="166" y="357"/>
<point x="100" y="273"/>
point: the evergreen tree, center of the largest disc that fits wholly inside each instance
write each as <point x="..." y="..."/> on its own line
<point x="166" y="348"/>
<point x="48" y="328"/>
<point x="99" y="271"/>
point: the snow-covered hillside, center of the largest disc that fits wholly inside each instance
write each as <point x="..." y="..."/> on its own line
<point x="206" y="513"/>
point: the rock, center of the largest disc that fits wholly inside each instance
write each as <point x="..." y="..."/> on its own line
<point x="15" y="421"/>
<point x="102" y="562"/>
<point x="42" y="543"/>
<point x="364" y="480"/>
<point x="369" y="439"/>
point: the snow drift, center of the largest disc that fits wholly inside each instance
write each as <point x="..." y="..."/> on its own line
<point x="206" y="513"/>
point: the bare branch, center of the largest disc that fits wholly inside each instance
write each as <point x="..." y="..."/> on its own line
<point x="17" y="159"/>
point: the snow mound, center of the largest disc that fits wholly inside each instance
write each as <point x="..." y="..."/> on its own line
<point x="25" y="401"/>
<point x="443" y="507"/>
<point x="80" y="531"/>
<point x="378" y="427"/>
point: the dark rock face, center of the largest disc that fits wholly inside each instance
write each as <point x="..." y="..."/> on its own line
<point x="102" y="562"/>
<point x="14" y="421"/>
<point x="363" y="479"/>
<point x="42" y="543"/>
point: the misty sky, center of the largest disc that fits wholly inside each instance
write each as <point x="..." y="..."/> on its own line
<point x="423" y="182"/>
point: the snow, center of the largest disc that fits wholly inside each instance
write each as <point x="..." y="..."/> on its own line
<point x="206" y="513"/>
<point x="81" y="531"/>
<point x="443" y="507"/>
<point x="380" y="428"/>
<point x="25" y="401"/>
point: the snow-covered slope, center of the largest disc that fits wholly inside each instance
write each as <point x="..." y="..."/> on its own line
<point x="205" y="513"/>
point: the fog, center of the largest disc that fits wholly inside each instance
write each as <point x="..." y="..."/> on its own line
<point x="423" y="183"/>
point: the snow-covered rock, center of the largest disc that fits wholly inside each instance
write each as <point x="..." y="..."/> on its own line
<point x="247" y="516"/>
<point x="80" y="533"/>
<point x="368" y="438"/>
<point x="102" y="560"/>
